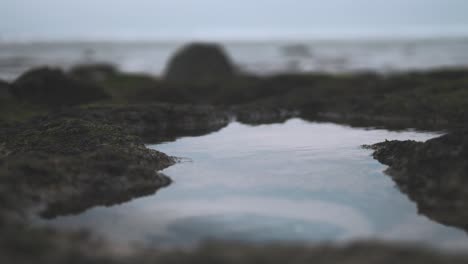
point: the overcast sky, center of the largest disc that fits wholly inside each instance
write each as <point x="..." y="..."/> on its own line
<point x="153" y="19"/>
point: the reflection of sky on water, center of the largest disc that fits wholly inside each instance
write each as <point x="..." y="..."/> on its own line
<point x="284" y="182"/>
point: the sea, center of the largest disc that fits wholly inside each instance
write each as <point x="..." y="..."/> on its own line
<point x="255" y="57"/>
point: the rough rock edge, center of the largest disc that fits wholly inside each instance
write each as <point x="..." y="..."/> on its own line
<point x="432" y="174"/>
<point x="72" y="164"/>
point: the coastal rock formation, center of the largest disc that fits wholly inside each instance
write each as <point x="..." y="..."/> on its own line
<point x="433" y="174"/>
<point x="53" y="88"/>
<point x="199" y="63"/>
<point x="69" y="165"/>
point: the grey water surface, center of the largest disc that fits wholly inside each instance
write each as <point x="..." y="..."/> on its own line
<point x="291" y="182"/>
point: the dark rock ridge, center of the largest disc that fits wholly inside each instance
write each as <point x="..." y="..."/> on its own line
<point x="53" y="88"/>
<point x="434" y="174"/>
<point x="254" y="115"/>
<point x="69" y="165"/>
<point x="199" y="63"/>
<point x="154" y="122"/>
<point x="432" y="100"/>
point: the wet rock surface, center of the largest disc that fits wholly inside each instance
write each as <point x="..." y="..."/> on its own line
<point x="69" y="165"/>
<point x="434" y="174"/>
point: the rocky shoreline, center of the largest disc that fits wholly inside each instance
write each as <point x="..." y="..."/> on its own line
<point x="76" y="158"/>
<point x="69" y="150"/>
<point x="69" y="165"/>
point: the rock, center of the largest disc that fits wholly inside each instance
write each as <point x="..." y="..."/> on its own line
<point x="4" y="90"/>
<point x="72" y="164"/>
<point x="55" y="247"/>
<point x="255" y="115"/>
<point x="433" y="174"/>
<point x="77" y="158"/>
<point x="72" y="184"/>
<point x="93" y="72"/>
<point x="199" y="63"/>
<point x="52" y="87"/>
<point x="392" y="152"/>
<point x="154" y="122"/>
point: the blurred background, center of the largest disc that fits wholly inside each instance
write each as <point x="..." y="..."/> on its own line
<point x="264" y="37"/>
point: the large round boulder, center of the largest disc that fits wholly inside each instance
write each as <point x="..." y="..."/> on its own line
<point x="52" y="87"/>
<point x="199" y="63"/>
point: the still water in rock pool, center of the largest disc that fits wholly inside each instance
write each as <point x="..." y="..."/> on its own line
<point x="297" y="181"/>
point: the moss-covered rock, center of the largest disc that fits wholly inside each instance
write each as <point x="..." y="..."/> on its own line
<point x="53" y="88"/>
<point x="154" y="122"/>
<point x="199" y="63"/>
<point x="70" y="165"/>
<point x="66" y="136"/>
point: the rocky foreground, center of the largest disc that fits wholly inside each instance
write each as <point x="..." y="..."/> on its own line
<point x="51" y="248"/>
<point x="65" y="166"/>
<point x="62" y="164"/>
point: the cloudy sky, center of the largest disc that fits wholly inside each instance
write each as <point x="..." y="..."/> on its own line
<point x="156" y="19"/>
